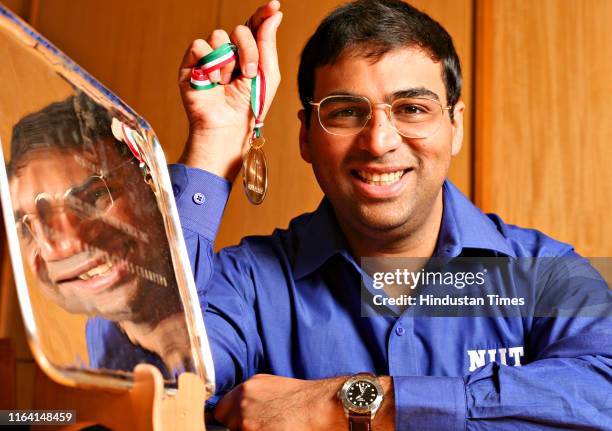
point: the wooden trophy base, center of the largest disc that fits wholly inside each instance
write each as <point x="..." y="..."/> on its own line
<point x="145" y="406"/>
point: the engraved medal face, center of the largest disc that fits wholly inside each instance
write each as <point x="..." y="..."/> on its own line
<point x="255" y="175"/>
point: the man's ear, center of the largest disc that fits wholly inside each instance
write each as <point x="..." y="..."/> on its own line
<point x="304" y="147"/>
<point x="457" y="126"/>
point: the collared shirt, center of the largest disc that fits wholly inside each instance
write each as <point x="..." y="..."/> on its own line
<point x="110" y="348"/>
<point x="290" y="304"/>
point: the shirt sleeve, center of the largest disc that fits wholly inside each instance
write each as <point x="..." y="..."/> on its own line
<point x="567" y="383"/>
<point x="222" y="280"/>
<point x="200" y="199"/>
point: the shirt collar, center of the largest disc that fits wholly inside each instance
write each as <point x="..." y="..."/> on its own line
<point x="464" y="226"/>
<point x="319" y="239"/>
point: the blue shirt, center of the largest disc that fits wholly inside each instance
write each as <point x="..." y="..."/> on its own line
<point x="289" y="304"/>
<point x="110" y="348"/>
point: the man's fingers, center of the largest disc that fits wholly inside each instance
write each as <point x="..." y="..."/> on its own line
<point x="198" y="49"/>
<point x="263" y="26"/>
<point x="247" y="50"/>
<point x="266" y="42"/>
<point x="262" y="13"/>
<point x="224" y="74"/>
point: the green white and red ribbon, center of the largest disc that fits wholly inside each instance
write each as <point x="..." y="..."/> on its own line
<point x="124" y="133"/>
<point x="131" y="141"/>
<point x="216" y="60"/>
<point x="258" y="99"/>
<point x="200" y="81"/>
<point x="209" y="63"/>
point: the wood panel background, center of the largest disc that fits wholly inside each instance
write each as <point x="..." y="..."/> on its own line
<point x="134" y="48"/>
<point x="544" y="117"/>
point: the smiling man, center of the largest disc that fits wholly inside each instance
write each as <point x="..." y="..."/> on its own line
<point x="380" y="143"/>
<point x="380" y="85"/>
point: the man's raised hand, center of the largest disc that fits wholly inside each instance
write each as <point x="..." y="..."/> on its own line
<point x="220" y="118"/>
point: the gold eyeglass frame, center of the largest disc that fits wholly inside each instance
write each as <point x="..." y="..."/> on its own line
<point x="387" y="107"/>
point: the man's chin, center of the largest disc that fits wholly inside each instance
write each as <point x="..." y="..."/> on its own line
<point x="116" y="304"/>
<point x="383" y="217"/>
<point x="115" y="312"/>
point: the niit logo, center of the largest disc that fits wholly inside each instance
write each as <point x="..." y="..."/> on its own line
<point x="505" y="356"/>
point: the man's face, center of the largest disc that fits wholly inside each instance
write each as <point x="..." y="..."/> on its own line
<point x="83" y="236"/>
<point x="350" y="169"/>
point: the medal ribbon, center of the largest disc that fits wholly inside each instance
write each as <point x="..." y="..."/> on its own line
<point x="128" y="138"/>
<point x="216" y="60"/>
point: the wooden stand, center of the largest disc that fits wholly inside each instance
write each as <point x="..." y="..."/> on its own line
<point x="145" y="407"/>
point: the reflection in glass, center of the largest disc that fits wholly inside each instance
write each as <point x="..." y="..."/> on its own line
<point x="101" y="270"/>
<point x="91" y="232"/>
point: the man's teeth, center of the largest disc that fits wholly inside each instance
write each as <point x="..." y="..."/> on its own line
<point x="386" y="178"/>
<point x="98" y="270"/>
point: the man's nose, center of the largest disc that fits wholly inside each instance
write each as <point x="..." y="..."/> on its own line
<point x="57" y="234"/>
<point x="379" y="136"/>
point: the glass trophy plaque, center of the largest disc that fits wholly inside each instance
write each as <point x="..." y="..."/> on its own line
<point x="100" y="264"/>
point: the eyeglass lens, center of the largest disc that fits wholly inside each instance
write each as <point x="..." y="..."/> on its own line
<point x="411" y="117"/>
<point x="90" y="200"/>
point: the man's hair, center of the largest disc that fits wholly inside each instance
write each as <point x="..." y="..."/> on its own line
<point x="371" y="28"/>
<point x="77" y="123"/>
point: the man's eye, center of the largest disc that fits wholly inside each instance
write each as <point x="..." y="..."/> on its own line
<point x="98" y="198"/>
<point x="347" y="112"/>
<point x="410" y="109"/>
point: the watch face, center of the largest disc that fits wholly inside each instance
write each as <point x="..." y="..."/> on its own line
<point x="362" y="393"/>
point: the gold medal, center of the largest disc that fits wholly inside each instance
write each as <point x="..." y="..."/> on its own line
<point x="254" y="168"/>
<point x="255" y="172"/>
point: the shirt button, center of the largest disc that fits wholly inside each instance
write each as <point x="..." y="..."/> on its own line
<point x="400" y="330"/>
<point x="176" y="190"/>
<point x="199" y="198"/>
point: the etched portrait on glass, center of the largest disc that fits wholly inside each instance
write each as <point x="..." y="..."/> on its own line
<point x="99" y="261"/>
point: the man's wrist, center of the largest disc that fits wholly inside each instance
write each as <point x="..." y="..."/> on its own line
<point x="218" y="151"/>
<point x="330" y="414"/>
<point x="385" y="415"/>
<point x="200" y="197"/>
<point x="385" y="418"/>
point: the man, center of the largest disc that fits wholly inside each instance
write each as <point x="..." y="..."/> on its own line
<point x="380" y="85"/>
<point x="80" y="202"/>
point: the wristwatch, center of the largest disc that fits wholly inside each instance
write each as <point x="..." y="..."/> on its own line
<point x="361" y="396"/>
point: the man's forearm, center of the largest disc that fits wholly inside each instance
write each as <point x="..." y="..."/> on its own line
<point x="385" y="417"/>
<point x="271" y="402"/>
<point x="209" y="151"/>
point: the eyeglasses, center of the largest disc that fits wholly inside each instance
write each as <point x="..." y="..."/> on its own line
<point x="411" y="117"/>
<point x="90" y="200"/>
